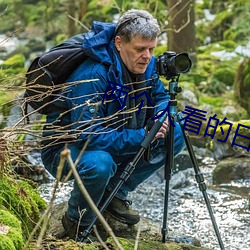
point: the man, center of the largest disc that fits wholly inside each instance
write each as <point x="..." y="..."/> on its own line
<point x="108" y="114"/>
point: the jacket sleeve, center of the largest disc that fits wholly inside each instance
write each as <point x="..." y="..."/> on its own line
<point x="89" y="120"/>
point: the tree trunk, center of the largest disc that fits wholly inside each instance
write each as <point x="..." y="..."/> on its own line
<point x="181" y="27"/>
<point x="83" y="8"/>
<point x="71" y="6"/>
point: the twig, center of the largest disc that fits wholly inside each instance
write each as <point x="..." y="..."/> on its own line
<point x="66" y="154"/>
<point x="137" y="236"/>
<point x="99" y="238"/>
<point x="77" y="21"/>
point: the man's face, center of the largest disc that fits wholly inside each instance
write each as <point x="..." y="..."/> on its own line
<point x="137" y="53"/>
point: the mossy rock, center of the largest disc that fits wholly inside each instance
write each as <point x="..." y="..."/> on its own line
<point x="21" y="199"/>
<point x="13" y="70"/>
<point x="231" y="169"/>
<point x="225" y="75"/>
<point x="229" y="45"/>
<point x="128" y="244"/>
<point x="150" y="235"/>
<point x="242" y="84"/>
<point x="237" y="142"/>
<point x="223" y="106"/>
<point x="17" y="61"/>
<point x="11" y="237"/>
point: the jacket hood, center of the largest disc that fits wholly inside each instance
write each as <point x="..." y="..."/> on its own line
<point x="98" y="42"/>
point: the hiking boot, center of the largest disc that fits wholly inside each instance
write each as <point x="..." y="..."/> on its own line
<point x="121" y="211"/>
<point x="75" y="231"/>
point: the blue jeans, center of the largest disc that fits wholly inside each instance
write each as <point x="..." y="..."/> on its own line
<point x="100" y="170"/>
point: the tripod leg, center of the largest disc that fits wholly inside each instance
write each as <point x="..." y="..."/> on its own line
<point x="128" y="170"/>
<point x="202" y="186"/>
<point x="168" y="173"/>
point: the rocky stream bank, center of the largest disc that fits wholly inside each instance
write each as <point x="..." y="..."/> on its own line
<point x="188" y="218"/>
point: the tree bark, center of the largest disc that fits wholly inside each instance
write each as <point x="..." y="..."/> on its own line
<point x="181" y="27"/>
<point x="83" y="8"/>
<point x="71" y="6"/>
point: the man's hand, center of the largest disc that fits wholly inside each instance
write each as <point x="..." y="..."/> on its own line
<point x="163" y="130"/>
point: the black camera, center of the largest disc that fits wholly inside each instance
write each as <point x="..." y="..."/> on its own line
<point x="171" y="65"/>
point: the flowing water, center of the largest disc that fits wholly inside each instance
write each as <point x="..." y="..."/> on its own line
<point x="187" y="212"/>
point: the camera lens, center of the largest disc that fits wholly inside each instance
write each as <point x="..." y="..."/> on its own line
<point x="182" y="63"/>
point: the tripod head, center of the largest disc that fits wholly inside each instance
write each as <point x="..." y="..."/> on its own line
<point x="174" y="89"/>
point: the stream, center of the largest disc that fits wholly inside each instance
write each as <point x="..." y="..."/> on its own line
<point x="187" y="212"/>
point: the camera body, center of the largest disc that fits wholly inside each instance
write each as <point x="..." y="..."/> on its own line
<point x="171" y="65"/>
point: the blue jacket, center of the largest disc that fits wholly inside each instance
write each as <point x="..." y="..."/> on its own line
<point x="89" y="117"/>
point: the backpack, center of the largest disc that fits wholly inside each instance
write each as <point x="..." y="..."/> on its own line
<point x="47" y="74"/>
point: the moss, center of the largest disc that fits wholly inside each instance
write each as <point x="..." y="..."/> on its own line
<point x="22" y="200"/>
<point x="128" y="244"/>
<point x="242" y="84"/>
<point x="219" y="104"/>
<point x="215" y="101"/>
<point x="9" y="219"/>
<point x="228" y="45"/>
<point x="13" y="70"/>
<point x="242" y="131"/>
<point x="13" y="239"/>
<point x="16" y="61"/>
<point x="225" y="75"/>
<point x="6" y="243"/>
<point x="66" y="245"/>
<point x="16" y="237"/>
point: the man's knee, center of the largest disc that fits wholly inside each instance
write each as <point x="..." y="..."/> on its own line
<point x="97" y="165"/>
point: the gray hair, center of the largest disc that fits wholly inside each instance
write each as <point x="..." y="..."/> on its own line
<point x="137" y="22"/>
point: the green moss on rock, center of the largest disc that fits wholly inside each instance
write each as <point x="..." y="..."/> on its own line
<point x="13" y="71"/>
<point x="6" y="243"/>
<point x="242" y="84"/>
<point x="12" y="238"/>
<point x="225" y="75"/>
<point x="22" y="200"/>
<point x="128" y="244"/>
<point x="16" y="61"/>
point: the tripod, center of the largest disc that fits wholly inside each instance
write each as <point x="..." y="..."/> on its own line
<point x="174" y="116"/>
<point x="169" y="163"/>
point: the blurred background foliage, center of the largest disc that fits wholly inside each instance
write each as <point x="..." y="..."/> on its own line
<point x="215" y="34"/>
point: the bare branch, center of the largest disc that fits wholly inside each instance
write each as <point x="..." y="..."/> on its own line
<point x="66" y="154"/>
<point x="77" y="21"/>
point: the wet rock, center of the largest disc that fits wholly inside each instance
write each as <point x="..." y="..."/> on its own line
<point x="231" y="169"/>
<point x="235" y="145"/>
<point x="30" y="167"/>
<point x="181" y="179"/>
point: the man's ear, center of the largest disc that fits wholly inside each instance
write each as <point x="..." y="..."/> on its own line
<point x="118" y="42"/>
